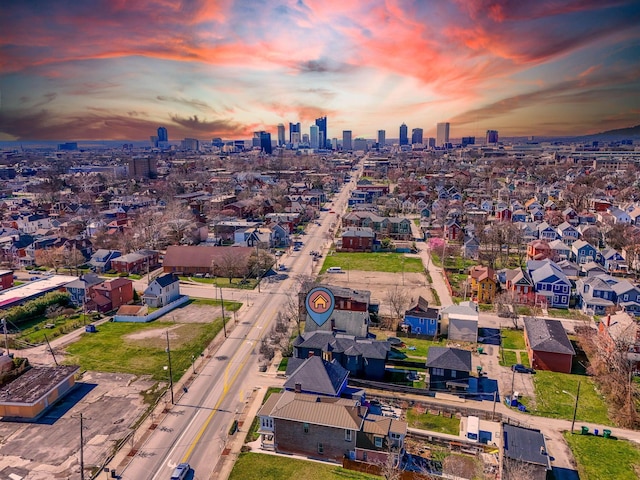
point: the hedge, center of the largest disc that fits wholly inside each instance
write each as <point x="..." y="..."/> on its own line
<point x="36" y="307"/>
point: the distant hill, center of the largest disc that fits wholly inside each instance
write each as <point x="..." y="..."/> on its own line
<point x="619" y="132"/>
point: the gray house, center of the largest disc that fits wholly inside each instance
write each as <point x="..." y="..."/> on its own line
<point x="162" y="291"/>
<point x="449" y="368"/>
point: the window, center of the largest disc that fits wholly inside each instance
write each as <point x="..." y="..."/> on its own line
<point x="347" y="435"/>
<point x="625" y="297"/>
<point x="378" y="442"/>
<point x="438" y="371"/>
<point x="320" y="448"/>
<point x="305" y="427"/>
<point x="453" y="374"/>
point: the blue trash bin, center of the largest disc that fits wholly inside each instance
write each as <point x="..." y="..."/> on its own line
<point x="595" y="432"/>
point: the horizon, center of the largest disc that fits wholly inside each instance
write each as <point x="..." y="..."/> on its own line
<point x="205" y="69"/>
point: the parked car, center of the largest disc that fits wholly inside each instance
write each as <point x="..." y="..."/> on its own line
<point x="181" y="471"/>
<point x="518" y="367"/>
<point x="282" y="268"/>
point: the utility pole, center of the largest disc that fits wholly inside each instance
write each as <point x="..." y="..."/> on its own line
<point x="51" y="350"/>
<point x="170" y="372"/>
<point x="575" y="408"/>
<point x="81" y="444"/>
<point x="224" y="324"/>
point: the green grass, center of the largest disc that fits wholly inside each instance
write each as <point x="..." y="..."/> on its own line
<point x="228" y="305"/>
<point x="435" y="423"/>
<point x="568" y="313"/>
<point x="254" y="466"/>
<point x="551" y="401"/>
<point x="513" y="339"/>
<point x="283" y="364"/>
<point x="113" y="349"/>
<point x="508" y="358"/>
<point x="604" y="458"/>
<point x="373" y="262"/>
<point x="421" y="346"/>
<point x="250" y="284"/>
<point x="524" y="359"/>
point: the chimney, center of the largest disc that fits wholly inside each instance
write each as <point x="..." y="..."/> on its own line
<point x="542" y="450"/>
<point x="297" y="388"/>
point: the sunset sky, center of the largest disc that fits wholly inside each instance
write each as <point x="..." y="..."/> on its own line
<point x="118" y="69"/>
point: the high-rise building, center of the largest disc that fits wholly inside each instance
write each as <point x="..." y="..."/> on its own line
<point x="442" y="134"/>
<point x="163" y="136"/>
<point x="262" y="139"/>
<point x="142" y="167"/>
<point x="294" y="128"/>
<point x="190" y="144"/>
<point x="322" y="135"/>
<point x="416" y="136"/>
<point x="492" y="136"/>
<point x="346" y="140"/>
<point x="314" y="132"/>
<point x="360" y="144"/>
<point x="404" y="135"/>
<point x="431" y="143"/>
<point x="281" y="139"/>
<point x="382" y="138"/>
<point x="153" y="139"/>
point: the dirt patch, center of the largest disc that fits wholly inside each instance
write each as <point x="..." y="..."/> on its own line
<point x="193" y="314"/>
<point x="153" y="334"/>
<point x="379" y="283"/>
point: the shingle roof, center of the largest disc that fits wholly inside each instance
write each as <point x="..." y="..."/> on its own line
<point x="167" y="279"/>
<point x="547" y="336"/>
<point x="318" y="376"/>
<point x="525" y="445"/>
<point x="347" y="344"/>
<point x="449" y="358"/>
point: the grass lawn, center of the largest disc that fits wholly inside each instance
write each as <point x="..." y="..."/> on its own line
<point x="373" y="262"/>
<point x="568" y="313"/>
<point x="513" y="339"/>
<point x="509" y="357"/>
<point x="600" y="458"/>
<point x="114" y="348"/>
<point x="254" y="466"/>
<point x="283" y="364"/>
<point x="250" y="283"/>
<point x="229" y="306"/>
<point x="435" y="423"/>
<point x="421" y="346"/>
<point x="524" y="359"/>
<point x="552" y="402"/>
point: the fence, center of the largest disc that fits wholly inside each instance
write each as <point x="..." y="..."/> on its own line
<point x="153" y="315"/>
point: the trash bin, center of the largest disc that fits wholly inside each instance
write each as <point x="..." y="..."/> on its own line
<point x="585" y="430"/>
<point x="606" y="433"/>
<point x="595" y="432"/>
<point x="480" y="350"/>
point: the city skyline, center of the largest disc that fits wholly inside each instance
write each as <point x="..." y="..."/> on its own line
<point x="202" y="69"/>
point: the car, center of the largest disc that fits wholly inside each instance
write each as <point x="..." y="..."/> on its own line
<point x="518" y="367"/>
<point x="181" y="471"/>
<point x="282" y="268"/>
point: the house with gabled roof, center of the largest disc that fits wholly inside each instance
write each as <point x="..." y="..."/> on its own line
<point x="520" y="286"/>
<point x="449" y="368"/>
<point x="483" y="283"/>
<point x="612" y="260"/>
<point x="627" y="295"/>
<point x="315" y="375"/>
<point x="583" y="252"/>
<point x="524" y="450"/>
<point x="551" y="284"/>
<point x="596" y="297"/>
<point x="548" y="346"/>
<point x="620" y="332"/>
<point x="568" y="233"/>
<point x="162" y="291"/>
<point x="559" y="250"/>
<point x="421" y="319"/>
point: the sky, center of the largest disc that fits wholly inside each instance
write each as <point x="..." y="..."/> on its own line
<point x="118" y="69"/>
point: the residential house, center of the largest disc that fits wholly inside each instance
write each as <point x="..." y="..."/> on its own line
<point x="596" y="295"/>
<point x="421" y="319"/>
<point x="219" y="261"/>
<point x="570" y="216"/>
<point x="538" y="250"/>
<point x="570" y="269"/>
<point x="449" y="368"/>
<point x="620" y="333"/>
<point x="329" y="428"/>
<point x="568" y="233"/>
<point x="6" y="279"/>
<point x="100" y="261"/>
<point x="471" y="247"/>
<point x="453" y="230"/>
<point x="80" y="290"/>
<point x="551" y="285"/>
<point x="536" y="214"/>
<point x="525" y="450"/>
<point x="139" y="262"/>
<point x="460" y="322"/>
<point x="520" y="286"/>
<point x="546" y="232"/>
<point x="592" y="269"/>
<point x="110" y="295"/>
<point x="362" y="357"/>
<point x="547" y="344"/>
<point x="619" y="216"/>
<point x="520" y="215"/>
<point x="627" y="295"/>
<point x="162" y="291"/>
<point x="483" y="283"/>
<point x="559" y="250"/>
<point x="612" y="260"/>
<point x="357" y="239"/>
<point x="350" y="314"/>
<point x="316" y="376"/>
<point x="583" y="252"/>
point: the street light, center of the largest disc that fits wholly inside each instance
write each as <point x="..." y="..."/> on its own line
<point x="193" y="363"/>
<point x="169" y="369"/>
<point x="575" y="407"/>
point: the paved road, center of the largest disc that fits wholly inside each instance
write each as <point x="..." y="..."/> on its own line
<point x="196" y="428"/>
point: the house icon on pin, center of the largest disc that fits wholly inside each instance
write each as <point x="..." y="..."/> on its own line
<point x="320" y="303"/>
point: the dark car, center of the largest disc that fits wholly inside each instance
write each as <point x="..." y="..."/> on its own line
<point x="518" y="367"/>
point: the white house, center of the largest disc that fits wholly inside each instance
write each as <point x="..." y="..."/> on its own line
<point x="162" y="291"/>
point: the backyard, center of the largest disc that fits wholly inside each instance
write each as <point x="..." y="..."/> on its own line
<point x="599" y="457"/>
<point x="373" y="262"/>
<point x="434" y="423"/>
<point x="555" y="398"/>
<point x="250" y="466"/>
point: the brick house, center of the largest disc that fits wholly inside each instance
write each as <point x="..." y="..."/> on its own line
<point x="620" y="331"/>
<point x="110" y="295"/>
<point x="357" y="239"/>
<point x="547" y="344"/>
<point x="6" y="279"/>
<point x="137" y="262"/>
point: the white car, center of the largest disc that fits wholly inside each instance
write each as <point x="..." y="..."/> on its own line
<point x="181" y="471"/>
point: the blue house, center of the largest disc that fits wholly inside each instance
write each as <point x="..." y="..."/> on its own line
<point x="612" y="260"/>
<point x="550" y="282"/>
<point x="519" y="216"/>
<point x="627" y="296"/>
<point x="583" y="252"/>
<point x="568" y="233"/>
<point x="546" y="232"/>
<point x="79" y="289"/>
<point x="596" y="295"/>
<point x="100" y="261"/>
<point x="421" y="319"/>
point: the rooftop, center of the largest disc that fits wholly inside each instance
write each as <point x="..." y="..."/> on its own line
<point x="32" y="385"/>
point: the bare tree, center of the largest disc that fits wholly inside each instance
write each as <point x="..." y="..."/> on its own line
<point x="398" y="300"/>
<point x="229" y="265"/>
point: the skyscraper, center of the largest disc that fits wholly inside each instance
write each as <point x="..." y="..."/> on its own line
<point x="416" y="136"/>
<point x="404" y="135"/>
<point x="381" y="138"/>
<point x="492" y="136"/>
<point x="346" y="140"/>
<point x="263" y="140"/>
<point x="314" y="132"/>
<point x="163" y="136"/>
<point x="322" y="135"/>
<point x="281" y="140"/>
<point x="294" y="128"/>
<point x="442" y="134"/>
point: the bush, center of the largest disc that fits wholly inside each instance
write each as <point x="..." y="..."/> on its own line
<point x="37" y="307"/>
<point x="123" y="274"/>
